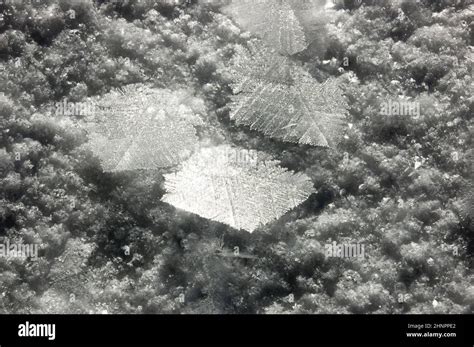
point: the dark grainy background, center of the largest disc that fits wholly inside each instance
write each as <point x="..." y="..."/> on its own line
<point x="399" y="185"/>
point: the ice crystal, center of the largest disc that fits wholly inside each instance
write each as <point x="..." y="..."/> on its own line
<point x="282" y="24"/>
<point x="276" y="96"/>
<point x="227" y="185"/>
<point x="143" y="128"/>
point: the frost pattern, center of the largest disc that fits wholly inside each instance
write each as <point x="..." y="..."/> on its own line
<point x="281" y="99"/>
<point x="280" y="23"/>
<point x="217" y="185"/>
<point x="139" y="128"/>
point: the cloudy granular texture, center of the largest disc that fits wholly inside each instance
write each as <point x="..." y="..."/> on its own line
<point x="395" y="184"/>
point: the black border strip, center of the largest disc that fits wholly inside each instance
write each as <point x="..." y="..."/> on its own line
<point x="239" y="329"/>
